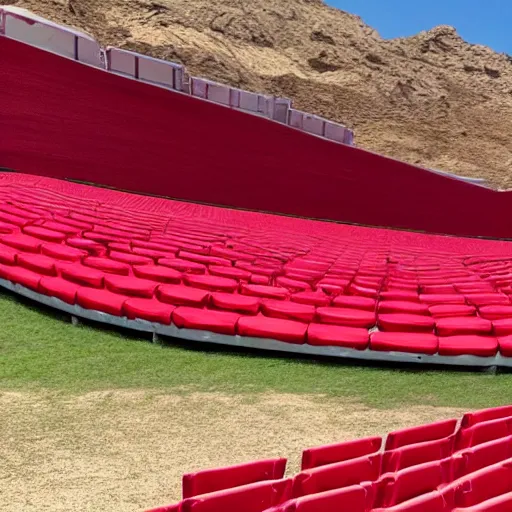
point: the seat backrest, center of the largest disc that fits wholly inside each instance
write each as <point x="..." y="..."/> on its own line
<point x="414" y="481"/>
<point x="419" y="453"/>
<point x="353" y="498"/>
<point x="501" y="503"/>
<point x="328" y="454"/>
<point x="481" y="485"/>
<point x="211" y="480"/>
<point x="420" y="434"/>
<point x="249" y="498"/>
<point x="485" y="454"/>
<point x="337" y="475"/>
<point x="472" y="418"/>
<point x="429" y="502"/>
<point x="483" y="432"/>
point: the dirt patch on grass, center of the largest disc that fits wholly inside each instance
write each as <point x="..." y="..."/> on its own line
<point x="120" y="450"/>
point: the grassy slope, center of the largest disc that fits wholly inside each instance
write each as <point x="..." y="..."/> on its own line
<point x="41" y="350"/>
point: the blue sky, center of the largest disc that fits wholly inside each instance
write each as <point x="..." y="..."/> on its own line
<point x="486" y="22"/>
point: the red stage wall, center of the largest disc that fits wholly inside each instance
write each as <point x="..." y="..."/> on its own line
<point x="62" y="119"/>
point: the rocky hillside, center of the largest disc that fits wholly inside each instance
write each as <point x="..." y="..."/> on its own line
<point x="432" y="99"/>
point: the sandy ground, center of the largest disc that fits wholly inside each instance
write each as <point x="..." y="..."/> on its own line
<point x="127" y="450"/>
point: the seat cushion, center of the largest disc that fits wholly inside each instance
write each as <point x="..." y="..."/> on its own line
<point x="130" y="259"/>
<point x="415" y="342"/>
<point x="337" y="336"/>
<point x="221" y="322"/>
<point x="151" y="310"/>
<point x="495" y="312"/>
<point x="8" y="254"/>
<point x="212" y="283"/>
<point x="21" y="276"/>
<point x="354" y="302"/>
<point x="130" y="286"/>
<point x="505" y="344"/>
<point x="235" y="302"/>
<point x="189" y="267"/>
<point x="442" y="298"/>
<point x="449" y="310"/>
<point x="288" y="331"/>
<point x="484" y="346"/>
<point x="80" y="274"/>
<point x="401" y="295"/>
<point x="44" y="233"/>
<point x="455" y="326"/>
<point x="180" y="295"/>
<point x="38" y="263"/>
<point x="267" y="292"/>
<point x="400" y="306"/>
<point x="107" y="265"/>
<point x="63" y="252"/>
<point x="232" y="272"/>
<point x="311" y="298"/>
<point x="502" y="327"/>
<point x="59" y="288"/>
<point x="93" y="248"/>
<point x="294" y="285"/>
<point x="22" y="242"/>
<point x="157" y="273"/>
<point x="347" y="317"/>
<point x="405" y="322"/>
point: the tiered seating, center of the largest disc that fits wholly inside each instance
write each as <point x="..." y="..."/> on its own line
<point x="420" y="469"/>
<point x="208" y="273"/>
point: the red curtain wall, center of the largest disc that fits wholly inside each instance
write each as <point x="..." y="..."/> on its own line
<point x="62" y="119"/>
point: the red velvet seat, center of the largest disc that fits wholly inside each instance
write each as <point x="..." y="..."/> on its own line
<point x="346" y="317"/>
<point x="354" y="302"/>
<point x="483" y="346"/>
<point x="107" y="265"/>
<point x="157" y="273"/>
<point x="415" y="342"/>
<point x="211" y="480"/>
<point x="404" y="322"/>
<point x="151" y="310"/>
<point x="339" y="452"/>
<point x="211" y="283"/>
<point x="337" y="336"/>
<point x="101" y="300"/>
<point x="464" y="325"/>
<point x="272" y="328"/>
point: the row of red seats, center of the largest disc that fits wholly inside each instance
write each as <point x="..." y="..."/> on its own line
<point x="256" y="275"/>
<point x="441" y="467"/>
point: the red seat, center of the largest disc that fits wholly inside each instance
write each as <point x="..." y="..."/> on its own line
<point x="404" y="322"/>
<point x="131" y="286"/>
<point x="129" y="259"/>
<point x="450" y="310"/>
<point x="93" y="248"/>
<point x="401" y="295"/>
<point x="483" y="432"/>
<point x="288" y="310"/>
<point x="472" y="418"/>
<point x="339" y="452"/>
<point x="354" y="302"/>
<point x="221" y="322"/>
<point x="414" y="481"/>
<point x="265" y="292"/>
<point x="21" y="276"/>
<point x="235" y="302"/>
<point x="442" y="298"/>
<point x="151" y="310"/>
<point x="463" y="325"/>
<point x="397" y="306"/>
<point x="101" y="300"/>
<point x="44" y="233"/>
<point x="231" y="272"/>
<point x="59" y="226"/>
<point x="501" y="503"/>
<point x="420" y="434"/>
<point x="59" y="288"/>
<point x="273" y="328"/>
<point x="211" y="283"/>
<point x="63" y="252"/>
<point x="205" y="260"/>
<point x="157" y="273"/>
<point x="429" y="502"/>
<point x="81" y="274"/>
<point x="495" y="312"/>
<point x="417" y="453"/>
<point x="487" y="299"/>
<point x="311" y="298"/>
<point x="485" y="454"/>
<point x="415" y="342"/>
<point x="37" y="263"/>
<point x="294" y="285"/>
<point x="502" y="327"/>
<point x="482" y="346"/>
<point x="346" y="317"/>
<point x="337" y="475"/>
<point x="21" y="242"/>
<point x="107" y="265"/>
<point x="189" y="267"/>
<point x="180" y="295"/>
<point x="8" y="255"/>
<point x="249" y="498"/>
<point x="211" y="480"/>
<point x="338" y="336"/>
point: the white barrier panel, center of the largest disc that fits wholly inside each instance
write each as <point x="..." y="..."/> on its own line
<point x="249" y="101"/>
<point x="199" y="88"/>
<point x="313" y="124"/>
<point x="144" y="68"/>
<point x="295" y="119"/>
<point x="334" y="131"/>
<point x="24" y="26"/>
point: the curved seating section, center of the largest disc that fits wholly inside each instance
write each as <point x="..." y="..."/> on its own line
<point x="448" y="466"/>
<point x="246" y="278"/>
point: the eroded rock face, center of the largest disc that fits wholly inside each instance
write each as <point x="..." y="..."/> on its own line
<point x="410" y="98"/>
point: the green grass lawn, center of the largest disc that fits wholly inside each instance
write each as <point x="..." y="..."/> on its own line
<point x="42" y="350"/>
